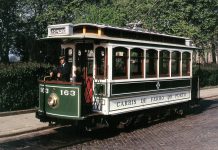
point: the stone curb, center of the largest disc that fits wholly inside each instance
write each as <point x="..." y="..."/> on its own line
<point x="10" y="113"/>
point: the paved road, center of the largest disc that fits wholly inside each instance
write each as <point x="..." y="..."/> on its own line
<point x="194" y="132"/>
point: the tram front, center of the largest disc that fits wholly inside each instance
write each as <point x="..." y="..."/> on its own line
<point x="61" y="100"/>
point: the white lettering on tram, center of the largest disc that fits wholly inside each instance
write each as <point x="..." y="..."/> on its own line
<point x="62" y="92"/>
<point x="44" y="90"/>
<point x="68" y="92"/>
<point x="157" y="98"/>
<point x="58" y="31"/>
<point x="126" y="103"/>
<point x="149" y="100"/>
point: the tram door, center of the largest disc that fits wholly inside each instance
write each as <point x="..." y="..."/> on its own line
<point x="84" y="63"/>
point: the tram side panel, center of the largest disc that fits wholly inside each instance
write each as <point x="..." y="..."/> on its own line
<point x="134" y="96"/>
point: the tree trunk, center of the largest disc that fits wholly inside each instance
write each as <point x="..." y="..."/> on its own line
<point x="213" y="48"/>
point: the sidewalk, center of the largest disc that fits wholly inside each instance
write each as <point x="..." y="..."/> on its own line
<point x="17" y="124"/>
<point x="210" y="92"/>
<point x="23" y="123"/>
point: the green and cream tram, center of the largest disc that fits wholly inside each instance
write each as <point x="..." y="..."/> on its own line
<point x="115" y="72"/>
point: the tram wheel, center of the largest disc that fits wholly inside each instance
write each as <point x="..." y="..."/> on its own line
<point x="126" y="123"/>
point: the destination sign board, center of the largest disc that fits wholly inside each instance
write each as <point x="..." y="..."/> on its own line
<point x="60" y="30"/>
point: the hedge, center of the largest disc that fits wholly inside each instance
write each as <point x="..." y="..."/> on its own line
<point x="19" y="85"/>
<point x="208" y="74"/>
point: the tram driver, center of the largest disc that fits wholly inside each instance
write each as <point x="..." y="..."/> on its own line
<point x="62" y="72"/>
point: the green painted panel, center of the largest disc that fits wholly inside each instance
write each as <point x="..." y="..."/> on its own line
<point x="144" y="86"/>
<point x="63" y="101"/>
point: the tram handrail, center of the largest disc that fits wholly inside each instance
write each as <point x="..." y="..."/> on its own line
<point x="46" y="77"/>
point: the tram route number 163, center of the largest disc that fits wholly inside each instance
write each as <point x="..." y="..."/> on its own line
<point x="62" y="92"/>
<point x="68" y="92"/>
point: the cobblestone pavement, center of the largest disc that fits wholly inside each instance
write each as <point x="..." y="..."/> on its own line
<point x="196" y="131"/>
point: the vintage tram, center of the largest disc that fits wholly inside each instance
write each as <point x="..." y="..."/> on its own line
<point x="117" y="74"/>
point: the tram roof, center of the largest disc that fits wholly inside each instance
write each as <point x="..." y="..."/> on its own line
<point x="136" y="30"/>
<point x="107" y="32"/>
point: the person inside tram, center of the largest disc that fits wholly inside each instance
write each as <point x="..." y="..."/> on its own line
<point x="62" y="72"/>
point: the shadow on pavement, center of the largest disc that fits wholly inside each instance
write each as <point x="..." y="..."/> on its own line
<point x="204" y="104"/>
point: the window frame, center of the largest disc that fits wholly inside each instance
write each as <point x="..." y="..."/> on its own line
<point x="140" y="63"/>
<point x="148" y="65"/>
<point x="99" y="54"/>
<point x="163" y="60"/>
<point x="177" y="60"/>
<point x="123" y="59"/>
<point x="187" y="64"/>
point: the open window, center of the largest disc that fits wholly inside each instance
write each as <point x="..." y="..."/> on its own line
<point x="164" y="63"/>
<point x="120" y="65"/>
<point x="100" y="62"/>
<point x="151" y="63"/>
<point x="186" y="62"/>
<point x="136" y="63"/>
<point x="175" y="66"/>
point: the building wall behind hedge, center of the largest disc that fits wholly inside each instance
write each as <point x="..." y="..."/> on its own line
<point x="19" y="85"/>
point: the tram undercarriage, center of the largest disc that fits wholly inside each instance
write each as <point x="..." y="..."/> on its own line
<point x="123" y="121"/>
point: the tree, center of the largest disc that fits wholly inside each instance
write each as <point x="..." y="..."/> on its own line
<point x="27" y="20"/>
<point x="8" y="19"/>
<point x="195" y="19"/>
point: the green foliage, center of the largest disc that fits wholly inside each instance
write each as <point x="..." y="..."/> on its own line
<point x="208" y="74"/>
<point x="24" y="21"/>
<point x="19" y="85"/>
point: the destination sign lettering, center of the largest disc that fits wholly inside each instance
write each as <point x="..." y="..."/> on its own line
<point x="60" y="30"/>
<point x="57" y="31"/>
<point x="144" y="101"/>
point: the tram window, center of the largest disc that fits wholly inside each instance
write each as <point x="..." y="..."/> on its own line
<point x="100" y="55"/>
<point x="164" y="62"/>
<point x="68" y="53"/>
<point x="136" y="63"/>
<point x="120" y="58"/>
<point x="176" y="57"/>
<point x="151" y="63"/>
<point x="186" y="61"/>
